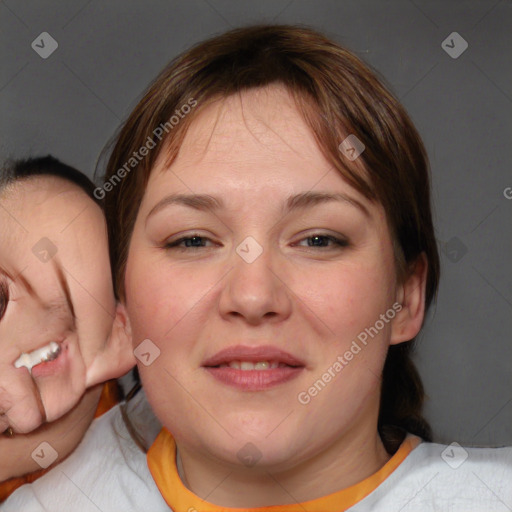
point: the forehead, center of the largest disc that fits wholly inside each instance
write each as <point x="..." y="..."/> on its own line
<point x="253" y="124"/>
<point x="42" y="206"/>
<point x="251" y="141"/>
<point x="268" y="113"/>
<point x="45" y="195"/>
<point x="37" y="188"/>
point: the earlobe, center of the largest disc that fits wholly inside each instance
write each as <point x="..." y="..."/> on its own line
<point x="117" y="358"/>
<point x="411" y="296"/>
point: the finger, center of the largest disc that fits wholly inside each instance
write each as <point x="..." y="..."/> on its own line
<point x="20" y="401"/>
<point x="116" y="359"/>
<point x="109" y="364"/>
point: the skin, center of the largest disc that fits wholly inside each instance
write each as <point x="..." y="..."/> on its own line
<point x="253" y="151"/>
<point x="38" y="311"/>
<point x="63" y="435"/>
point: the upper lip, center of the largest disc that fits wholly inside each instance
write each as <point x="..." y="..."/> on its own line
<point x="253" y="354"/>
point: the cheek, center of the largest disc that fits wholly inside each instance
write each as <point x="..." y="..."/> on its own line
<point x="163" y="299"/>
<point x="348" y="297"/>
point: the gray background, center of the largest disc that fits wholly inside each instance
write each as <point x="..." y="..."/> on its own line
<point x="71" y="103"/>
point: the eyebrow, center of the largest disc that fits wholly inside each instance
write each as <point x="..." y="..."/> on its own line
<point x="309" y="199"/>
<point x="205" y="202"/>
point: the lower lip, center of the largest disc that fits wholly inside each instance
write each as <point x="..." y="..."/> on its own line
<point x="254" y="380"/>
<point x="50" y="368"/>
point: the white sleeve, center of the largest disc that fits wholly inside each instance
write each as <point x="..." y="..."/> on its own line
<point x="107" y="472"/>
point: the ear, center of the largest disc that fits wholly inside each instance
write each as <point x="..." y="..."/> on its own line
<point x="411" y="296"/>
<point x="117" y="358"/>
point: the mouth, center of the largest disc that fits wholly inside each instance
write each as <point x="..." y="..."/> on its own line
<point x="253" y="368"/>
<point x="42" y="355"/>
<point x="250" y="365"/>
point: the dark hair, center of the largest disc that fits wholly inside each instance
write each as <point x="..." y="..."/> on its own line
<point x="14" y="170"/>
<point x="337" y="95"/>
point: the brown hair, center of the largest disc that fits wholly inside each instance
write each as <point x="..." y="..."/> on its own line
<point x="337" y="95"/>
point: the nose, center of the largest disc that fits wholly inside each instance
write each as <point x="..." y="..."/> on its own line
<point x="256" y="291"/>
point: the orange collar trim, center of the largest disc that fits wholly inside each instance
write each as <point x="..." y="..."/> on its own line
<point x="161" y="459"/>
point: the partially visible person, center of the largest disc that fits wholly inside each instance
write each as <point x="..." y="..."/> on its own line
<point x="57" y="310"/>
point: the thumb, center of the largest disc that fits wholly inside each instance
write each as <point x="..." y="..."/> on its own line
<point x="117" y="358"/>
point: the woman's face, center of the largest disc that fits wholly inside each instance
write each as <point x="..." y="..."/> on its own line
<point x="56" y="284"/>
<point x="253" y="267"/>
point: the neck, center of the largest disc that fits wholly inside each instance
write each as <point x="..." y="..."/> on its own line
<point x="354" y="456"/>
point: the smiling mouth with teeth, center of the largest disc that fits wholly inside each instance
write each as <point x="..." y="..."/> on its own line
<point x="256" y="368"/>
<point x="44" y="354"/>
<point x="249" y="365"/>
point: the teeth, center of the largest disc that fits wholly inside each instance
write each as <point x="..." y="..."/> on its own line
<point x="51" y="352"/>
<point x="41" y="355"/>
<point x="249" y="365"/>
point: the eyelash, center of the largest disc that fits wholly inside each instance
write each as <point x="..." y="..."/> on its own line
<point x="176" y="244"/>
<point x="339" y="242"/>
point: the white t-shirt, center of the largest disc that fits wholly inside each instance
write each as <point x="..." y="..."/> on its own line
<point x="108" y="473"/>
<point x="436" y="477"/>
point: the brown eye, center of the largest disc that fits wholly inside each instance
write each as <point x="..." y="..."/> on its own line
<point x="4" y="298"/>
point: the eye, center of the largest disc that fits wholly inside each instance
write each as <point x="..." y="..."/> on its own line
<point x="323" y="241"/>
<point x="188" y="242"/>
<point x="4" y="298"/>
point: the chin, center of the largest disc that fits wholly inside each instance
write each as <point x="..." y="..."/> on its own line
<point x="262" y="449"/>
<point x="262" y="455"/>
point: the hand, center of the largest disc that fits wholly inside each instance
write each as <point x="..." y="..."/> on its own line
<point x="56" y="288"/>
<point x="20" y="403"/>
